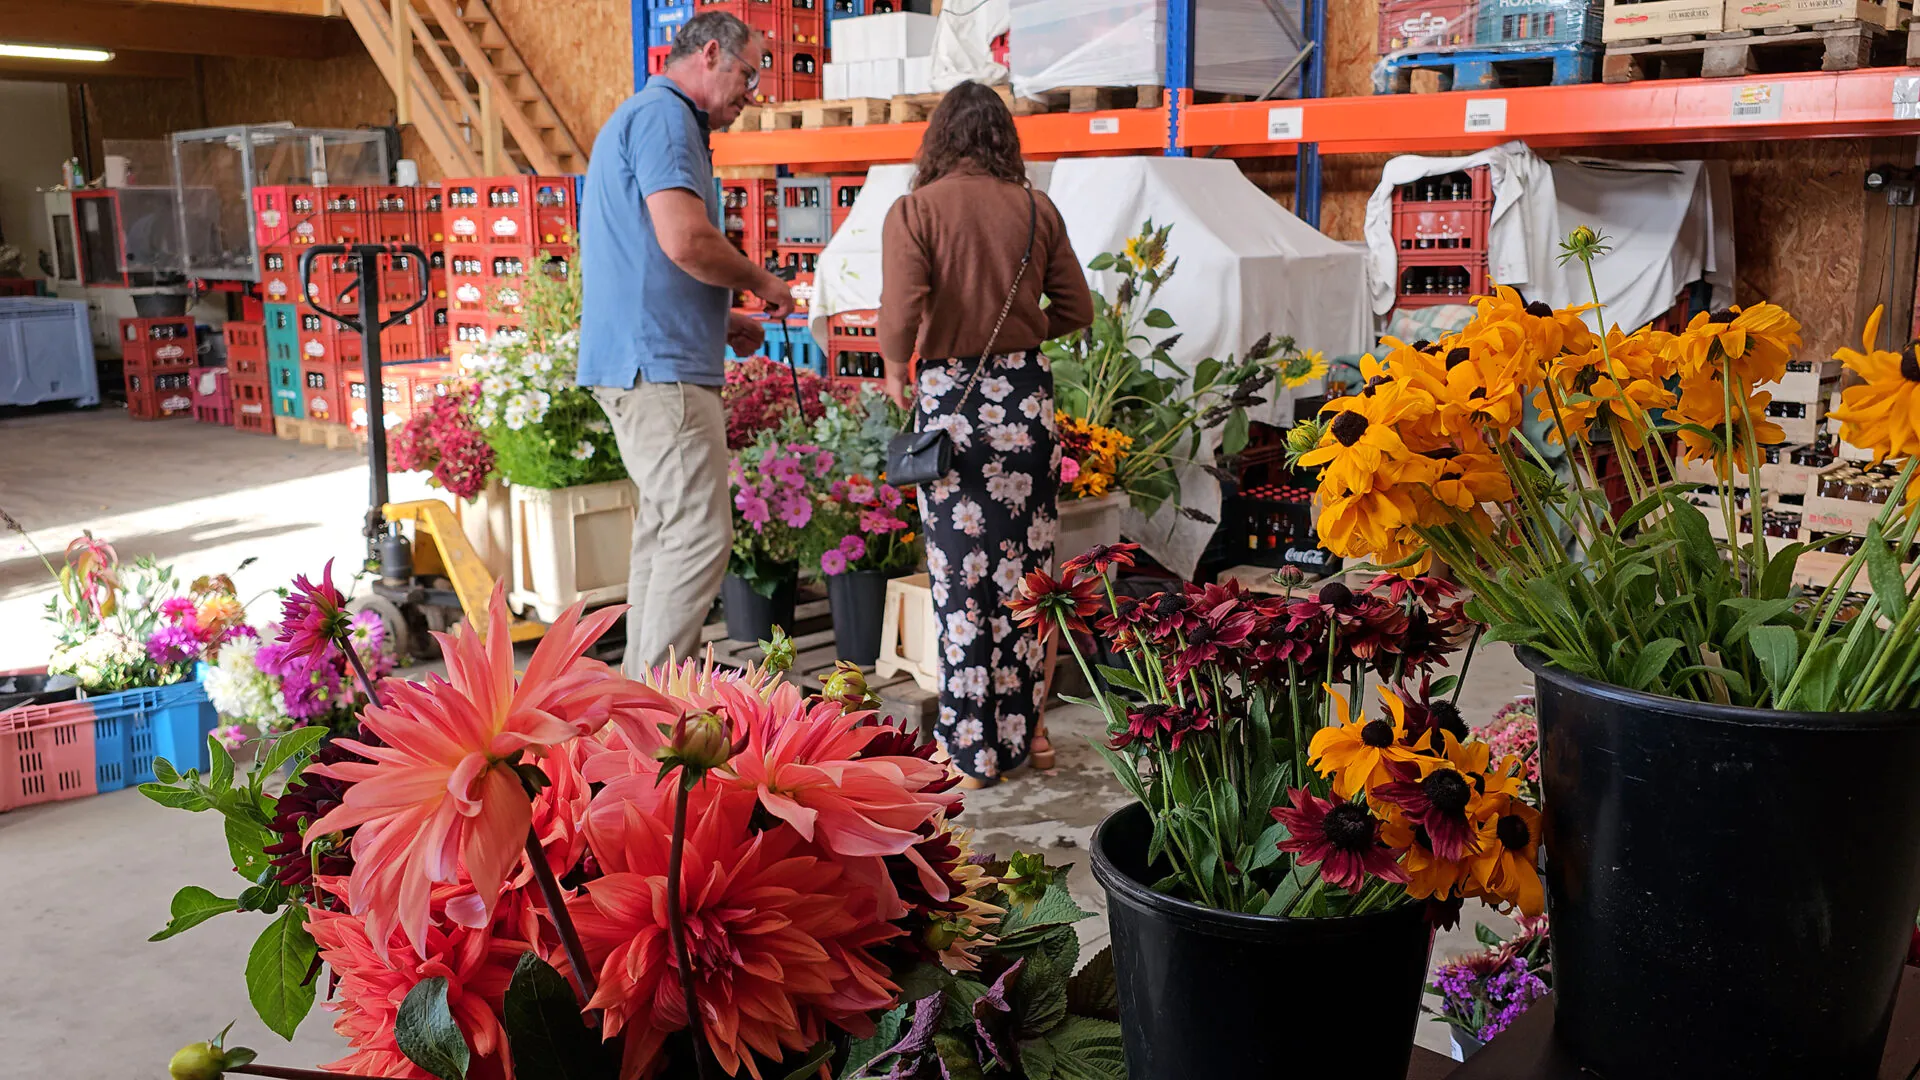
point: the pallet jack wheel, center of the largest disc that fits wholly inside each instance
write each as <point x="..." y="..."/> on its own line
<point x="400" y="635"/>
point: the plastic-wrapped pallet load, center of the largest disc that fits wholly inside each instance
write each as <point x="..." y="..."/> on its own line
<point x="963" y="44"/>
<point x="1059" y="43"/>
<point x="1244" y="46"/>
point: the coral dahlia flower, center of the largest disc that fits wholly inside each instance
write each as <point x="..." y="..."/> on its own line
<point x="778" y="945"/>
<point x="441" y="796"/>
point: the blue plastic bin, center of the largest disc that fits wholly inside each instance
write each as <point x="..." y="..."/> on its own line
<point x="133" y="727"/>
<point x="46" y="352"/>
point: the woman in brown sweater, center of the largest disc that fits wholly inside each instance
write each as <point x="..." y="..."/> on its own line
<point x="972" y="234"/>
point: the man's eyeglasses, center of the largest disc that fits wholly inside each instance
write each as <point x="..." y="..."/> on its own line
<point x="753" y="70"/>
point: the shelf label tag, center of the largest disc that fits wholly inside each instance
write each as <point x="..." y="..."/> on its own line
<point x="1486" y="114"/>
<point x="1906" y="97"/>
<point x="1103" y="125"/>
<point x="1285" y="123"/>
<point x="1757" y="101"/>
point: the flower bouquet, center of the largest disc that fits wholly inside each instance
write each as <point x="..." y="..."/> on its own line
<point x="445" y="441"/>
<point x="700" y="873"/>
<point x="862" y="533"/>
<point x="1267" y="797"/>
<point x="1483" y="993"/>
<point x="119" y="626"/>
<point x="759" y="396"/>
<point x="1127" y="413"/>
<point x="1668" y="659"/>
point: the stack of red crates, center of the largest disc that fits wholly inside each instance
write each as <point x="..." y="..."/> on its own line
<point x="846" y="189"/>
<point x="159" y="356"/>
<point x="1440" y="237"/>
<point x="853" y="346"/>
<point x="750" y="210"/>
<point x="499" y="229"/>
<point x="249" y="386"/>
<point x="405" y="388"/>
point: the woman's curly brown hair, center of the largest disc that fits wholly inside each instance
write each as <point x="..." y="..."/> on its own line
<point x="971" y="124"/>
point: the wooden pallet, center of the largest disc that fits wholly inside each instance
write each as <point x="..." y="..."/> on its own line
<point x="914" y="108"/>
<point x="1486" y="69"/>
<point x="1733" y="54"/>
<point x="810" y="115"/>
<point x="1088" y="99"/>
<point x="317" y="433"/>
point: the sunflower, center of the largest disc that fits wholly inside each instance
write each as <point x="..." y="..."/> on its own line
<point x="1299" y="370"/>
<point x="1356" y="750"/>
<point x="1505" y="867"/>
<point x="1882" y="414"/>
<point x="1756" y="342"/>
<point x="1146" y="250"/>
<point x="1704" y="403"/>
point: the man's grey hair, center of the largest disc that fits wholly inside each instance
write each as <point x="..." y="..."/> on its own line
<point x="730" y="32"/>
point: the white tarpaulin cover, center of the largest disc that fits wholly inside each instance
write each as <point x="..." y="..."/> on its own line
<point x="1247" y="267"/>
<point x="1668" y="223"/>
<point x="963" y="43"/>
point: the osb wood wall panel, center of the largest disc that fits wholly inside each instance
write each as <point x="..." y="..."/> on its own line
<point x="1353" y="34"/>
<point x="580" y="51"/>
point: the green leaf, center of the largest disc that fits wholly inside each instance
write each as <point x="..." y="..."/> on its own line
<point x="1040" y="994"/>
<point x="1266" y="849"/>
<point x="1062" y="950"/>
<point x="236" y="1056"/>
<point x="1233" y="438"/>
<point x="956" y="1008"/>
<point x="1054" y="908"/>
<point x="192" y="906"/>
<point x="246" y="843"/>
<point x="163" y="771"/>
<point x="1883" y="570"/>
<point x="427" y="1033"/>
<point x="1204" y="373"/>
<point x="1101" y="261"/>
<point x="817" y="1057"/>
<point x="1777" y="582"/>
<point x="1094" y="989"/>
<point x="1086" y="1048"/>
<point x="1486" y="935"/>
<point x="1122" y="768"/>
<point x="277" y="972"/>
<point x="549" y="1038"/>
<point x="1038" y="1060"/>
<point x="1159" y="319"/>
<point x="1119" y="677"/>
<point x="862" y="1052"/>
<point x="294" y="744"/>
<point x="922" y="980"/>
<point x="1650" y="662"/>
<point x="178" y="798"/>
<point x="1754" y="612"/>
<point x="957" y="1055"/>
<point x="1777" y="648"/>
<point x="221" y="777"/>
<point x="1444" y="685"/>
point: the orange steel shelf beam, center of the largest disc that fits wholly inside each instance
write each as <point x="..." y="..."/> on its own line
<point x="1051" y="135"/>
<point x="1797" y="106"/>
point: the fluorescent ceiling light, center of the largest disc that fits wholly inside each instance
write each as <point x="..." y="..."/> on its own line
<point x="50" y="52"/>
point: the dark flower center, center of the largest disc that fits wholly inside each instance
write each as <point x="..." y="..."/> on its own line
<point x="1540" y="309"/>
<point x="1909" y="365"/>
<point x="1350" y="827"/>
<point x="1513" y="832"/>
<point x="1336" y="594"/>
<point x="1200" y="636"/>
<point x="1422" y="345"/>
<point x="1446" y="716"/>
<point x="1458" y="355"/>
<point x="1377" y="734"/>
<point x="1447" y="791"/>
<point x="1349" y="426"/>
<point x="1168" y="604"/>
<point x="1724" y="315"/>
<point x="1479" y="394"/>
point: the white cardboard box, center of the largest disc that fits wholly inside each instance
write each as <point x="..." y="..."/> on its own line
<point x="833" y="81"/>
<point x="876" y="78"/>
<point x="919" y="75"/>
<point x="893" y="36"/>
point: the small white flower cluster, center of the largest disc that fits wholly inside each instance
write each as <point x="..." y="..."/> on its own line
<point x="239" y="689"/>
<point x="517" y="381"/>
<point x="95" y="658"/>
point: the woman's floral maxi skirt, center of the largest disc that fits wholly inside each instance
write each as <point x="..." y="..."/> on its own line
<point x="989" y="522"/>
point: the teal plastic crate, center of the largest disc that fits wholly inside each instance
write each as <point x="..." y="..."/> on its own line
<point x="283" y="333"/>
<point x="133" y="727"/>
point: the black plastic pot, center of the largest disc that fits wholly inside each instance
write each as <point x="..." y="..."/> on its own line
<point x="1207" y="993"/>
<point x="859" y="601"/>
<point x="1732" y="890"/>
<point x="752" y="617"/>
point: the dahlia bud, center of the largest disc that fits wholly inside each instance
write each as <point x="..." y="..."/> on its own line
<point x="848" y="686"/>
<point x="940" y="935"/>
<point x="698" y="742"/>
<point x="196" y="1061"/>
<point x="779" y="651"/>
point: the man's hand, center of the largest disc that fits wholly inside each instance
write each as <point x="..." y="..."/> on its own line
<point x="897" y="388"/>
<point x="744" y="334"/>
<point x="777" y="296"/>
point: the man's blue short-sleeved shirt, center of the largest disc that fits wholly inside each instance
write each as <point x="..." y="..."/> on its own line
<point x="643" y="318"/>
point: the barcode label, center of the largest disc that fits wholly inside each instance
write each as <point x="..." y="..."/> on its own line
<point x="1103" y="125"/>
<point x="1757" y="102"/>
<point x="1285" y="123"/>
<point x="1486" y="114"/>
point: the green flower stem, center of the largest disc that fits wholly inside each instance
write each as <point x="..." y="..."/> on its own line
<point x="283" y="1073"/>
<point x="556" y="902"/>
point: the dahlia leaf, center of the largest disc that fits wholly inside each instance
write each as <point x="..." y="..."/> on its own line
<point x="221" y="777"/>
<point x="1094" y="989"/>
<point x="164" y="771"/>
<point x="542" y="1017"/>
<point x="1042" y="995"/>
<point x="177" y="798"/>
<point x="291" y="746"/>
<point x="427" y="1033"/>
<point x="811" y="1066"/>
<point x="192" y="906"/>
<point x="277" y="967"/>
<point x="862" y="1053"/>
<point x="246" y="844"/>
<point x="1777" y="648"/>
<point x="1883" y="570"/>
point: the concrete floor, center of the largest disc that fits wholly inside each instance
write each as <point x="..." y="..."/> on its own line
<point x="84" y="883"/>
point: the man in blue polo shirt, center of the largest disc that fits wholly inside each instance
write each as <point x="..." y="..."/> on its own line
<point x="659" y="278"/>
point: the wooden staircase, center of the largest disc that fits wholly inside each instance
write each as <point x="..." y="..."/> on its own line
<point x="463" y="87"/>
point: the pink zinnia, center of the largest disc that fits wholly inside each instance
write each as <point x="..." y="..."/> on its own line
<point x="441" y="798"/>
<point x="178" y="609"/>
<point x="313" y="616"/>
<point x="1069" y="470"/>
<point x="833" y="562"/>
<point x="853" y="547"/>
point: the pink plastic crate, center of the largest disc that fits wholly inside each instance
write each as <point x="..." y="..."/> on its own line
<point x="46" y="754"/>
<point x="212" y="397"/>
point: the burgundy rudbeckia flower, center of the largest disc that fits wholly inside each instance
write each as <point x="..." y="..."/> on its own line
<point x="1216" y="632"/>
<point x="313" y="616"/>
<point x="1343" y="838"/>
<point x="1100" y="558"/>
<point x="1164" y="726"/>
<point x="1439" y="802"/>
<point x="1041" y="602"/>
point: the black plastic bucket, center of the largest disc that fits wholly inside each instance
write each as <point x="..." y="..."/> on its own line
<point x="752" y="617"/>
<point x="859" y="602"/>
<point x="1732" y="890"/>
<point x="1207" y="993"/>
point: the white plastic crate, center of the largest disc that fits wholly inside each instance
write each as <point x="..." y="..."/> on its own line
<point x="570" y="544"/>
<point x="910" y="633"/>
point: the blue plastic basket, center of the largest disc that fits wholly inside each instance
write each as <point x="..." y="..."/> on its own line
<point x="133" y="727"/>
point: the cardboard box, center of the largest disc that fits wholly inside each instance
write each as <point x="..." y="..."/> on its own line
<point x="1812" y="386"/>
<point x="1425" y="25"/>
<point x="1535" y="24"/>
<point x="1755" y="14"/>
<point x="1661" y="18"/>
<point x="894" y="36"/>
<point x="833" y="77"/>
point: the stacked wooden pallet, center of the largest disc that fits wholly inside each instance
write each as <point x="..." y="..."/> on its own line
<point x="912" y="108"/>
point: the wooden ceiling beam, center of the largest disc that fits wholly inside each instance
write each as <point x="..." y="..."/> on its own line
<point x="126" y="64"/>
<point x="175" y="28"/>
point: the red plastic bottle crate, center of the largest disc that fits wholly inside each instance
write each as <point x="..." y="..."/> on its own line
<point x="46" y="754"/>
<point x="468" y="330"/>
<point x="253" y="406"/>
<point x="1428" y="278"/>
<point x="437" y="272"/>
<point x="657" y="59"/>
<point x="804" y="25"/>
<point x="393" y="214"/>
<point x="245" y="340"/>
<point x="1411" y="195"/>
<point x="160" y="395"/>
<point x="316" y="338"/>
<point x="1418" y="229"/>
<point x="761" y="15"/>
<point x="343" y="219"/>
<point x="800" y="68"/>
<point x="212" y="398"/>
<point x="158" y="344"/>
<point x="466" y="277"/>
<point x="400" y="279"/>
<point x="286" y="214"/>
<point x="280" y="275"/>
<point x="518" y="210"/>
<point x="802" y="259"/>
<point x="396" y="402"/>
<point x="846" y="189"/>
<point x="323" y="386"/>
<point x="348" y="348"/>
<point x="461" y="212"/>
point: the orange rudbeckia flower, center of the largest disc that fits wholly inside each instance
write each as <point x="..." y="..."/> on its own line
<point x="1355" y="751"/>
<point x="1882" y="414"/>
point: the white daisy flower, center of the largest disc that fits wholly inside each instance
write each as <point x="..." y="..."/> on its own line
<point x="948" y="716"/>
<point x="955" y="654"/>
<point x="582" y="450"/>
<point x="1033" y="406"/>
<point x="993" y="414"/>
<point x="1006" y="574"/>
<point x="935" y="381"/>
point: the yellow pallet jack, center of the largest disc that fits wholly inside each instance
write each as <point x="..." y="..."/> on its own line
<point x="435" y="578"/>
